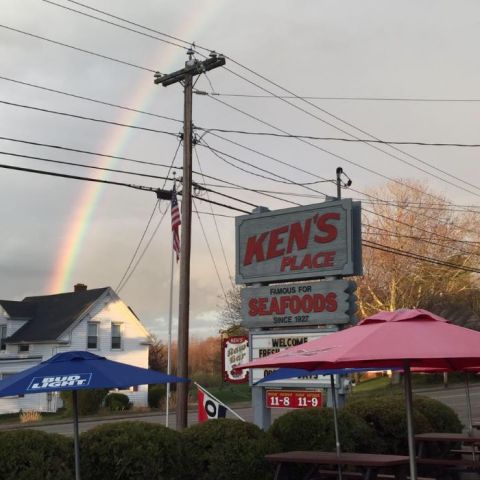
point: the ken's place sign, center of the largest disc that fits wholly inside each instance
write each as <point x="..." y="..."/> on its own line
<point x="306" y="242"/>
<point x="60" y="382"/>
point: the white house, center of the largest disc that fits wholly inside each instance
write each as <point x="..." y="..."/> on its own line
<point x="97" y="320"/>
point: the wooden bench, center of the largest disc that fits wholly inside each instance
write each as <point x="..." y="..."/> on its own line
<point x="348" y="475"/>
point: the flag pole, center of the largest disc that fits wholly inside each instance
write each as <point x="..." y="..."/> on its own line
<point x="169" y="340"/>
<point x="219" y="401"/>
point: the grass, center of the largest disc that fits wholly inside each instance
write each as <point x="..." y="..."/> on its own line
<point x="232" y="393"/>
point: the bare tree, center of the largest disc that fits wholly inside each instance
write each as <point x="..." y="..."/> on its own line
<point x="410" y="219"/>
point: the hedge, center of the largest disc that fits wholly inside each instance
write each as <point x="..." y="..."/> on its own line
<point x="35" y="455"/>
<point x="313" y="429"/>
<point x="387" y="416"/>
<point x="89" y="400"/>
<point x="131" y="451"/>
<point x="227" y="449"/>
<point x="117" y="402"/>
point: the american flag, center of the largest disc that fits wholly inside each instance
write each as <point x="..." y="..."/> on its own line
<point x="176" y="222"/>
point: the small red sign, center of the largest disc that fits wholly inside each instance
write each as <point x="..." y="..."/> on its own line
<point x="293" y="399"/>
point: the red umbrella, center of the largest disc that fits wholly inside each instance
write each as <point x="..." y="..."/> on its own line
<point x="403" y="339"/>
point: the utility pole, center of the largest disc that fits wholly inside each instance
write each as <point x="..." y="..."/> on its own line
<point x="193" y="67"/>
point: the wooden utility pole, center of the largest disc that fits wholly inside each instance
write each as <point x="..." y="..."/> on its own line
<point x="185" y="76"/>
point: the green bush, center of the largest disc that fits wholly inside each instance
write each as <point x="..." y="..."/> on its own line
<point x="440" y="416"/>
<point x="387" y="416"/>
<point x="226" y="449"/>
<point x="35" y="455"/>
<point x="131" y="451"/>
<point x="89" y="401"/>
<point x="156" y="393"/>
<point x="313" y="429"/>
<point x="117" y="402"/>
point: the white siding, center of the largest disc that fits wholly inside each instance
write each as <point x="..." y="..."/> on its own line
<point x="109" y="309"/>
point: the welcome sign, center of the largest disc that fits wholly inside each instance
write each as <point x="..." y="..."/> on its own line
<point x="53" y="382"/>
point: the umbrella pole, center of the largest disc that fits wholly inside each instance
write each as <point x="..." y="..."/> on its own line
<point x="411" y="439"/>
<point x="75" y="434"/>
<point x="335" y="422"/>
<point x="469" y="404"/>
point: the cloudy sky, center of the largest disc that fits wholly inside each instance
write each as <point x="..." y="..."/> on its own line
<point x="351" y="56"/>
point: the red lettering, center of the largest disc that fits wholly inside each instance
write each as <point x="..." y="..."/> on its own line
<point x="274" y="307"/>
<point x="331" y="302"/>
<point x="252" y="307"/>
<point x="287" y="262"/>
<point x="330" y="230"/>
<point x="284" y="302"/>
<point x="255" y="249"/>
<point x="327" y="257"/>
<point x="306" y="262"/>
<point x="318" y="303"/>
<point x="307" y="304"/>
<point x="299" y="235"/>
<point x="275" y="241"/>
<point x="262" y="304"/>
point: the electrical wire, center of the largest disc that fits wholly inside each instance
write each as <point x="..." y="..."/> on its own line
<point x="210" y="250"/>
<point x="123" y="281"/>
<point x="215" y="222"/>
<point x="89" y="99"/>
<point x="91" y="119"/>
<point x="338" y="139"/>
<point x="361" y="99"/>
<point x="396" y="251"/>
<point x="349" y="124"/>
<point x="82" y="165"/>
<point x="55" y="42"/>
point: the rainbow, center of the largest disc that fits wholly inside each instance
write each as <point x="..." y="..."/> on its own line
<point x="172" y="58"/>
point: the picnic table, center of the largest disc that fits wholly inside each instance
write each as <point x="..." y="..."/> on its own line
<point x="471" y="462"/>
<point x="369" y="464"/>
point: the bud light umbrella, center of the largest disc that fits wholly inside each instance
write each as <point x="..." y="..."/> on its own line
<point x="80" y="371"/>
<point x="405" y="338"/>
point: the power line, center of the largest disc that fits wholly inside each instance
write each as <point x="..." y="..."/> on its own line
<point x="142" y="162"/>
<point x="338" y="139"/>
<point x="123" y="281"/>
<point x="340" y="157"/>
<point x="113" y="24"/>
<point x="210" y="250"/>
<point x="82" y="165"/>
<point x="345" y="123"/>
<point x="108" y="182"/>
<point x="361" y="99"/>
<point x="91" y="119"/>
<point x="215" y="222"/>
<point x="388" y="233"/>
<point x="77" y="48"/>
<point x="396" y="251"/>
<point x="89" y="99"/>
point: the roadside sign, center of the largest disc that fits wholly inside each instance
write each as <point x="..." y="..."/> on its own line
<point x="293" y="399"/>
<point x="235" y="352"/>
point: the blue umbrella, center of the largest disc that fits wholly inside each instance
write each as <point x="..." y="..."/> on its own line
<point x="80" y="371"/>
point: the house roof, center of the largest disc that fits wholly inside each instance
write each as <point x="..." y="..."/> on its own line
<point x="49" y="315"/>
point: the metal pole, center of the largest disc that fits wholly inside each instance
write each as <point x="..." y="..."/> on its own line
<point x="469" y="404"/>
<point x="76" y="440"/>
<point x="335" y="422"/>
<point x="185" y="247"/>
<point x="339" y="183"/>
<point x="169" y="340"/>
<point x="411" y="440"/>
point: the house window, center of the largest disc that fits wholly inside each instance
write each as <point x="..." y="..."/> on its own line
<point x="23" y="348"/>
<point x="3" y="337"/>
<point x="92" y="340"/>
<point x="116" y="336"/>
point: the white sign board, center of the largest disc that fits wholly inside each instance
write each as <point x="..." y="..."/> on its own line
<point x="262" y="345"/>
<point x="311" y="241"/>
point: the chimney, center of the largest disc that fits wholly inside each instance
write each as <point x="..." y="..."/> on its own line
<point x="79" y="287"/>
